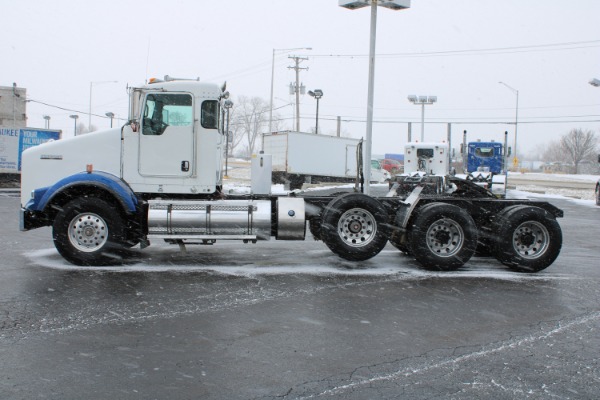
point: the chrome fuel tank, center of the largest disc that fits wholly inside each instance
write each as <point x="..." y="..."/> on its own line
<point x="223" y="218"/>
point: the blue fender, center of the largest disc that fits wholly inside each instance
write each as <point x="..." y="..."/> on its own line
<point x="111" y="183"/>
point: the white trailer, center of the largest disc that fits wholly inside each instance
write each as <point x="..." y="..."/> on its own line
<point x="300" y="157"/>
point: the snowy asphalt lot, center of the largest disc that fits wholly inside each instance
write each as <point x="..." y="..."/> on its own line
<point x="290" y="320"/>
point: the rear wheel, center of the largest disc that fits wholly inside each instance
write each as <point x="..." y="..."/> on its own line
<point x="314" y="225"/>
<point x="598" y="195"/>
<point x="355" y="226"/>
<point x="88" y="231"/>
<point x="443" y="237"/>
<point x="529" y="239"/>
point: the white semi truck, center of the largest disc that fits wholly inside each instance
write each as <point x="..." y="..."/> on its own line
<point x="159" y="177"/>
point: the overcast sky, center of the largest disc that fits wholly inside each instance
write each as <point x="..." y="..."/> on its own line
<point x="456" y="50"/>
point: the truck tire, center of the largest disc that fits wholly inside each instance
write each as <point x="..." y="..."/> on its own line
<point x="355" y="226"/>
<point x="88" y="232"/>
<point x="314" y="225"/>
<point x="443" y="237"/>
<point x="528" y="238"/>
<point x="598" y="194"/>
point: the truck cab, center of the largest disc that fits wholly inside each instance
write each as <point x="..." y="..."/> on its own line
<point x="485" y="157"/>
<point x="484" y="164"/>
<point x="174" y="143"/>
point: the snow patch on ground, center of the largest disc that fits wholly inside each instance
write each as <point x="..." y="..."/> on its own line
<point x="539" y="176"/>
<point x="385" y="264"/>
<point x="563" y="194"/>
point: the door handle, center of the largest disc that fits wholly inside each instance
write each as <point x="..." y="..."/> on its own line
<point x="185" y="166"/>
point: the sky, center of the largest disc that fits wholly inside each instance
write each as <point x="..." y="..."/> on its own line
<point x="456" y="50"/>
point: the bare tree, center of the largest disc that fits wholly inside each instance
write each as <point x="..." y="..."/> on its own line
<point x="249" y="121"/>
<point x="552" y="152"/>
<point x="579" y="145"/>
<point x="82" y="128"/>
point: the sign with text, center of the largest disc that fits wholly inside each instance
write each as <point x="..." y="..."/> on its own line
<point x="14" y="141"/>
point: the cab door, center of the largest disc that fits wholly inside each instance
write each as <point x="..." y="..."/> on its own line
<point x="166" y="140"/>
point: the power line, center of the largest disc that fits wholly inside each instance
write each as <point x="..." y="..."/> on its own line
<point x="65" y="109"/>
<point x="457" y="121"/>
<point x="496" y="50"/>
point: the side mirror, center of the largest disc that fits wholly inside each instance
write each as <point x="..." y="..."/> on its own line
<point x="509" y="151"/>
<point x="462" y="148"/>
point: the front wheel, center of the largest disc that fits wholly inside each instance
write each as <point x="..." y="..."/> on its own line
<point x="88" y="232"/>
<point x="529" y="238"/>
<point x="443" y="237"/>
<point x="355" y="226"/>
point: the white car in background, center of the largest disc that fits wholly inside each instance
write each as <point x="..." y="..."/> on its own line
<point x="378" y="174"/>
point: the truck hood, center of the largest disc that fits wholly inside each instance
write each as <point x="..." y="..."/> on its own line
<point x="44" y="165"/>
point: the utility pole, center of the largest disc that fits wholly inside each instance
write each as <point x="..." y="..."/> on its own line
<point x="297" y="88"/>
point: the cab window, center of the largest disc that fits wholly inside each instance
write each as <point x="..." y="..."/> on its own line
<point x="164" y="110"/>
<point x="426" y="153"/>
<point x="209" y="118"/>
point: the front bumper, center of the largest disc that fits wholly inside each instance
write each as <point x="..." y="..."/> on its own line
<point x="31" y="219"/>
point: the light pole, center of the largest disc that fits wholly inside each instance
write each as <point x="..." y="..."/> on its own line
<point x="516" y="92"/>
<point x="228" y="104"/>
<point x="352" y="5"/>
<point x="90" y="110"/>
<point x="74" y="116"/>
<point x="47" y="122"/>
<point x="317" y="94"/>
<point x="422" y="101"/>
<point x="15" y="96"/>
<point x="273" y="81"/>
<point x="110" y="115"/>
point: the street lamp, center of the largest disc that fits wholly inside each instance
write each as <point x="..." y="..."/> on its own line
<point x="74" y="116"/>
<point x="595" y="82"/>
<point x="352" y="5"/>
<point x="228" y="104"/>
<point x="90" y="111"/>
<point x="110" y="115"/>
<point x="317" y="94"/>
<point x="47" y="122"/>
<point x="516" y="92"/>
<point x="273" y="81"/>
<point x="422" y="101"/>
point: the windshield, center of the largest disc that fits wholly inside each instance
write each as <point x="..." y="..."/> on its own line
<point x="484" y="152"/>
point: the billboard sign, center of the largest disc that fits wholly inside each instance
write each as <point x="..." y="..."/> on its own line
<point x="14" y="141"/>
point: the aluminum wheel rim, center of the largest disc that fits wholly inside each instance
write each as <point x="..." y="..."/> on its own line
<point x="445" y="237"/>
<point x="357" y="227"/>
<point x="88" y="232"/>
<point x="531" y="239"/>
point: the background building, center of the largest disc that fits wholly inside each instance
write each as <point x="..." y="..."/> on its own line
<point x="13" y="110"/>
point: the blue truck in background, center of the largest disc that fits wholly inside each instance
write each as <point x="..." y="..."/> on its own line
<point x="484" y="163"/>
